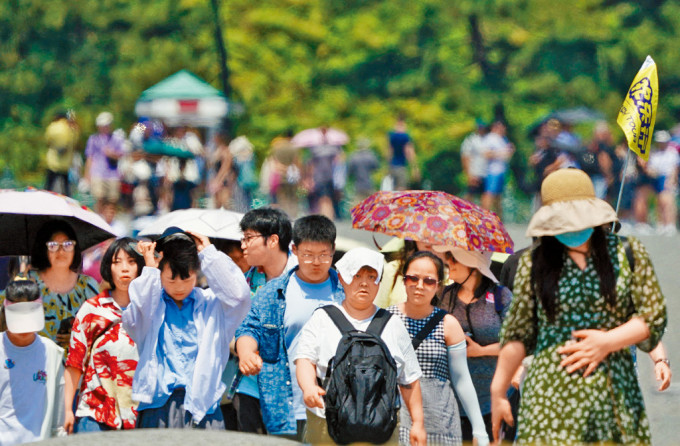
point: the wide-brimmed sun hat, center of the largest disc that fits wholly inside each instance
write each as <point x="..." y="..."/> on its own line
<point x="569" y="204"/>
<point x="480" y="260"/>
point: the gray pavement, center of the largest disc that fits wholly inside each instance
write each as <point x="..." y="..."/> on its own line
<point x="663" y="408"/>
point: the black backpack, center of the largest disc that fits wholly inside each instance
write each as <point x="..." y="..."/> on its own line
<point x="362" y="398"/>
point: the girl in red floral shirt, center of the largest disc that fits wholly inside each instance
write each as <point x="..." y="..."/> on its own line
<point x="102" y="351"/>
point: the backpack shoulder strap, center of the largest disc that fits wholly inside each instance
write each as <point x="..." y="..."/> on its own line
<point x="427" y="329"/>
<point x="378" y="323"/>
<point x="338" y="318"/>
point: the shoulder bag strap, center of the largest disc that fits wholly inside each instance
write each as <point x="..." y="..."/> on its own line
<point x="427" y="329"/>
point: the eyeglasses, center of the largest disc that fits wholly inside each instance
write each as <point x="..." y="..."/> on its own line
<point x="67" y="246"/>
<point x="429" y="282"/>
<point x="310" y="258"/>
<point x="247" y="238"/>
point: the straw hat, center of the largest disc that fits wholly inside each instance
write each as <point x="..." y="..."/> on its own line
<point x="480" y="260"/>
<point x="569" y="204"/>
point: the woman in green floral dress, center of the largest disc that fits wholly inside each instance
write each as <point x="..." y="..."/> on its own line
<point x="577" y="308"/>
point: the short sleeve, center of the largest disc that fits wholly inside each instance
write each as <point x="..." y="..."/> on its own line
<point x="410" y="370"/>
<point x="520" y="322"/>
<point x="309" y="343"/>
<point x="649" y="302"/>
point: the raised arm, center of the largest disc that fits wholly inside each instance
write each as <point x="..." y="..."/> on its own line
<point x="145" y="295"/>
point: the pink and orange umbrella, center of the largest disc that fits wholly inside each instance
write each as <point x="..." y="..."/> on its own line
<point x="432" y="217"/>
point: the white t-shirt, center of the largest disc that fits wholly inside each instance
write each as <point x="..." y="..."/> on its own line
<point x="302" y="299"/>
<point x="319" y="341"/>
<point x="23" y="391"/>
<point x="664" y="163"/>
<point x="499" y="147"/>
<point x="474" y="148"/>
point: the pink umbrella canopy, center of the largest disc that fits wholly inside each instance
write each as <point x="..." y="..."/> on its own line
<point x="432" y="217"/>
<point x="319" y="137"/>
<point x="23" y="213"/>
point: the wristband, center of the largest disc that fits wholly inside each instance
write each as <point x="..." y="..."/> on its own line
<point x="664" y="360"/>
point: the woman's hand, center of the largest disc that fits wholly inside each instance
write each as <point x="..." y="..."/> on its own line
<point x="500" y="411"/>
<point x="663" y="374"/>
<point x="418" y="435"/>
<point x="589" y="351"/>
<point x="69" y="421"/>
<point x="473" y="349"/>
<point x="147" y="250"/>
<point x="201" y="240"/>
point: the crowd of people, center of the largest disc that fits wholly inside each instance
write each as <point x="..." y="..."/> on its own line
<point x="178" y="334"/>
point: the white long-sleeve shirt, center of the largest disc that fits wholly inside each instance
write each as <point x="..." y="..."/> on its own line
<point x="218" y="311"/>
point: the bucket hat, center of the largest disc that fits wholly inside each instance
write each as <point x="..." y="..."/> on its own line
<point x="480" y="260"/>
<point x="569" y="204"/>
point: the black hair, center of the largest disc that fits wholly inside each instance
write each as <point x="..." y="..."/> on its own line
<point x="23" y="290"/>
<point x="314" y="228"/>
<point x="439" y="265"/>
<point x="39" y="259"/>
<point x="181" y="256"/>
<point x="269" y="221"/>
<point x="125" y="244"/>
<point x="547" y="262"/>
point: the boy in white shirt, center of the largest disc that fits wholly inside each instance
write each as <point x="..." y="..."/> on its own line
<point x="360" y="270"/>
<point x="32" y="372"/>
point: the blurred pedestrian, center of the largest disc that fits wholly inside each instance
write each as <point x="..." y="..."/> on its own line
<point x="360" y="166"/>
<point x="402" y="156"/>
<point x="498" y="152"/>
<point x="103" y="151"/>
<point x="663" y="167"/>
<point x="473" y="157"/>
<point x="61" y="137"/>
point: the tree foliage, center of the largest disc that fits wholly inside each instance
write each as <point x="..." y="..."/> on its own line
<point x="354" y="64"/>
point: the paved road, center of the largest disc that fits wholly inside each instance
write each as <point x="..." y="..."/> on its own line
<point x="663" y="408"/>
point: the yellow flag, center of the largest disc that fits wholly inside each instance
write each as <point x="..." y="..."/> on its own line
<point x="638" y="112"/>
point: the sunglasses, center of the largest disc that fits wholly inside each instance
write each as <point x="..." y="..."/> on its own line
<point x="428" y="282"/>
<point x="67" y="246"/>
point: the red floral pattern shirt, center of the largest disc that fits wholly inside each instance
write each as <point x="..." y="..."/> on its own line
<point x="107" y="356"/>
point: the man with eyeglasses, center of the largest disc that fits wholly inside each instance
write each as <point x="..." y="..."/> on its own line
<point x="267" y="233"/>
<point x="269" y="334"/>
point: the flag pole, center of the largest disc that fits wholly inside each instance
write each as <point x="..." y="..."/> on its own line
<point x="623" y="181"/>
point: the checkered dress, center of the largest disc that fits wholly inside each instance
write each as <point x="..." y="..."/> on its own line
<point x="442" y="421"/>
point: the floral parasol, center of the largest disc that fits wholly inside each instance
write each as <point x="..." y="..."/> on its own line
<point x="432" y="217"/>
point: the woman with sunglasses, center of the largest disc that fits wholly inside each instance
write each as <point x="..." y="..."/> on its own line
<point x="56" y="261"/>
<point x="479" y="304"/>
<point x="440" y="348"/>
<point x="102" y="351"/>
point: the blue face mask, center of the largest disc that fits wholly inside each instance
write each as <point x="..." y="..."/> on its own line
<point x="576" y="238"/>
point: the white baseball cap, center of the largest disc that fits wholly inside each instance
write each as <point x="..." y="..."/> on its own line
<point x="357" y="258"/>
<point x="104" y="119"/>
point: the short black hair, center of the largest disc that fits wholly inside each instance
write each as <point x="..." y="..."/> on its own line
<point x="39" y="259"/>
<point x="314" y="228"/>
<point x="181" y="256"/>
<point x="125" y="244"/>
<point x="22" y="290"/>
<point x="269" y="221"/>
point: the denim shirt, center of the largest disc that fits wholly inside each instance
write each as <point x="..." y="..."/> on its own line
<point x="264" y="323"/>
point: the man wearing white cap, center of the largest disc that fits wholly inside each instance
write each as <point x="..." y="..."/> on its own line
<point x="31" y="370"/>
<point x="103" y="151"/>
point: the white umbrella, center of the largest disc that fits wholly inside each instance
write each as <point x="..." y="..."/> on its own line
<point x="213" y="223"/>
<point x="23" y="213"/>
